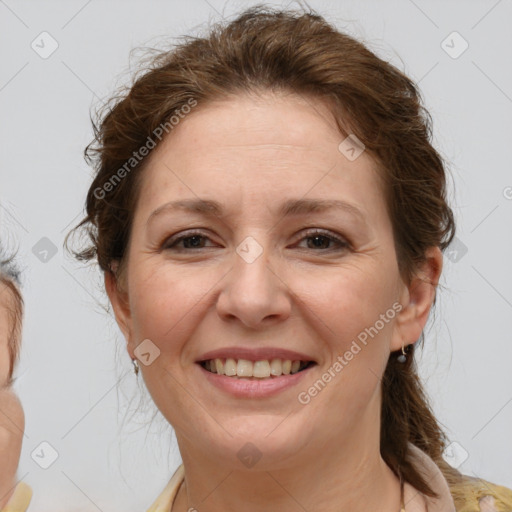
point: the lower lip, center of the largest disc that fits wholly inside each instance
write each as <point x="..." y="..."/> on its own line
<point x="262" y="388"/>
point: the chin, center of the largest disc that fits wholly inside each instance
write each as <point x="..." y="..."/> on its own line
<point x="255" y="442"/>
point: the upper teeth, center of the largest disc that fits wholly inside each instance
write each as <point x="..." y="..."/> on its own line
<point x="260" y="369"/>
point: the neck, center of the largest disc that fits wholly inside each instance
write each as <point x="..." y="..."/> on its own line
<point x="339" y="479"/>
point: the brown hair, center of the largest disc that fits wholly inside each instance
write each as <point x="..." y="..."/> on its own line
<point x="264" y="49"/>
<point x="9" y="281"/>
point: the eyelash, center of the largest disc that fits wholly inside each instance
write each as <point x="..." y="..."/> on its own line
<point x="170" y="243"/>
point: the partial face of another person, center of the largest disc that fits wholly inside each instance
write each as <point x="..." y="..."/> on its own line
<point x="256" y="275"/>
<point x="6" y="325"/>
<point x="12" y="419"/>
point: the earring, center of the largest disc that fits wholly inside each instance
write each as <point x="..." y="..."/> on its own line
<point x="135" y="366"/>
<point x="403" y="356"/>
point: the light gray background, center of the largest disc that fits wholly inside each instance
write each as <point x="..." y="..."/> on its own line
<point x="75" y="378"/>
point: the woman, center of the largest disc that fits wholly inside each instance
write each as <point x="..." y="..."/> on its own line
<point x="270" y="216"/>
<point x="13" y="496"/>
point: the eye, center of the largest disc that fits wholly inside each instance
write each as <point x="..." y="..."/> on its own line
<point x="191" y="240"/>
<point x="321" y="237"/>
<point x="196" y="239"/>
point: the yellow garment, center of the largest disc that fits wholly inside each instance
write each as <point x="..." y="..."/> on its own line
<point x="20" y="498"/>
<point x="466" y="495"/>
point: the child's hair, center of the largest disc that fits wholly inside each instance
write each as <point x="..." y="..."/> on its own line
<point x="11" y="298"/>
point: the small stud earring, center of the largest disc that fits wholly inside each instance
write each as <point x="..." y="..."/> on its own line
<point x="135" y="366"/>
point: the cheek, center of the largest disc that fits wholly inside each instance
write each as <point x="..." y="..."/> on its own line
<point x="345" y="313"/>
<point x="165" y="302"/>
<point x="348" y="300"/>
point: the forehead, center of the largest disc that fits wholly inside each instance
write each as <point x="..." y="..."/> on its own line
<point x="265" y="121"/>
<point x="258" y="144"/>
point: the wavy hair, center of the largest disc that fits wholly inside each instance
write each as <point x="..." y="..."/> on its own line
<point x="266" y="49"/>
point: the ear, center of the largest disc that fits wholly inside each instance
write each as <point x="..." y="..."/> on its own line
<point x="417" y="299"/>
<point x="120" y="305"/>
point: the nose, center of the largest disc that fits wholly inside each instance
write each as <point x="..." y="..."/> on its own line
<point x="253" y="293"/>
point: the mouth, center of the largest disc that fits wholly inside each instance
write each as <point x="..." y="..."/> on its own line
<point x="255" y="370"/>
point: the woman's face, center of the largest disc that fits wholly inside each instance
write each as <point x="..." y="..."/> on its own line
<point x="254" y="282"/>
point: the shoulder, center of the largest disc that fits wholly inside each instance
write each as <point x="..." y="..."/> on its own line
<point x="20" y="499"/>
<point x="478" y="495"/>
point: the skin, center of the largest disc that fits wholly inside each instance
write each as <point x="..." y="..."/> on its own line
<point x="6" y="303"/>
<point x="250" y="153"/>
<point x="12" y="418"/>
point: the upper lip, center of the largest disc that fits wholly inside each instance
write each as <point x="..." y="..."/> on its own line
<point x="255" y="354"/>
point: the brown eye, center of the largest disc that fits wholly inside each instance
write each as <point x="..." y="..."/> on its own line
<point x="191" y="240"/>
<point x="321" y="239"/>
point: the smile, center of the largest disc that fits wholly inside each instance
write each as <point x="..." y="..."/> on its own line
<point x="262" y="378"/>
<point x="263" y="369"/>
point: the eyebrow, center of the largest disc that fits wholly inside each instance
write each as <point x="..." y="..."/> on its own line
<point x="292" y="207"/>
